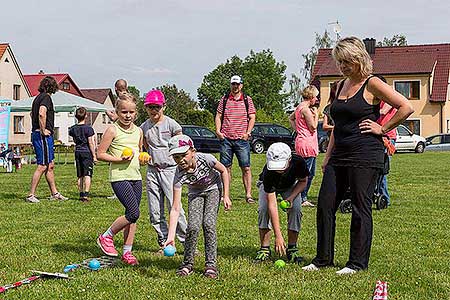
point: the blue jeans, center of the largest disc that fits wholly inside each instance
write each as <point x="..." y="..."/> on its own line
<point x="311" y="165"/>
<point x="384" y="184"/>
<point x="239" y="147"/>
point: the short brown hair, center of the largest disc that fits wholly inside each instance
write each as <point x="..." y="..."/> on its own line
<point x="48" y="85"/>
<point x="80" y="113"/>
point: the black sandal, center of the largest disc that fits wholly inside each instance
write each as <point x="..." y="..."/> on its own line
<point x="184" y="270"/>
<point x="211" y="272"/>
<point x="250" y="200"/>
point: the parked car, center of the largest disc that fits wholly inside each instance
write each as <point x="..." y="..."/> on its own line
<point x="408" y="141"/>
<point x="204" y="139"/>
<point x="322" y="137"/>
<point x="265" y="134"/>
<point x="438" y="142"/>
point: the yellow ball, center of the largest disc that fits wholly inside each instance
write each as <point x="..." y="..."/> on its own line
<point x="127" y="152"/>
<point x="144" y="156"/>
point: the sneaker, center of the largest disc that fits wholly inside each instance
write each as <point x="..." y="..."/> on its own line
<point x="107" y="245"/>
<point x="112" y="197"/>
<point x="310" y="267"/>
<point x="58" y="196"/>
<point x="308" y="204"/>
<point x="129" y="258"/>
<point x="293" y="256"/>
<point x="346" y="271"/>
<point x="32" y="199"/>
<point x="263" y="254"/>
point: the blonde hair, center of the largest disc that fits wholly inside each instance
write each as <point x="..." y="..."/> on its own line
<point x="352" y="49"/>
<point x="310" y="92"/>
<point x="125" y="97"/>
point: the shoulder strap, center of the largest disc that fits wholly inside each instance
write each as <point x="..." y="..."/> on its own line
<point x="340" y="88"/>
<point x="246" y="105"/>
<point x="224" y="104"/>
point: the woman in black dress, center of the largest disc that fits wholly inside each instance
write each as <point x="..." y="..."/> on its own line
<point x="355" y="154"/>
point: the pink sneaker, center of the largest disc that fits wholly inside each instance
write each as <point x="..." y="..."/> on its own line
<point x="107" y="245"/>
<point x="129" y="258"/>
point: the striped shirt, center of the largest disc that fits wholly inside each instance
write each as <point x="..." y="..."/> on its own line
<point x="235" y="120"/>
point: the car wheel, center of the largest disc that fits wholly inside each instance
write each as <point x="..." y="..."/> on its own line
<point x="324" y="146"/>
<point x="258" y="147"/>
<point x="420" y="147"/>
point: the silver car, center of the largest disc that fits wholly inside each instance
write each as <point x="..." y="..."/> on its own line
<point x="438" y="142"/>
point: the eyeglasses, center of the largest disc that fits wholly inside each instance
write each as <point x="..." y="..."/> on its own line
<point x="235" y="83"/>
<point x="154" y="107"/>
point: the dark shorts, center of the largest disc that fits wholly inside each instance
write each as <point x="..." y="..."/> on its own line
<point x="239" y="147"/>
<point x="43" y="147"/>
<point x="84" y="163"/>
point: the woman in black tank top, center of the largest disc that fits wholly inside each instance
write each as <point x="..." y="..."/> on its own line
<point x="355" y="154"/>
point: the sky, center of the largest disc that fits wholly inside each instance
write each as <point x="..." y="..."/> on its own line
<point x="152" y="43"/>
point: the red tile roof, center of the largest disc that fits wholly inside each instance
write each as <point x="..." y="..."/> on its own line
<point x="416" y="59"/>
<point x="3" y="48"/>
<point x="97" y="95"/>
<point x="33" y="81"/>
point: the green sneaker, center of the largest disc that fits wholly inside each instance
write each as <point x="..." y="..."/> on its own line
<point x="293" y="255"/>
<point x="263" y="254"/>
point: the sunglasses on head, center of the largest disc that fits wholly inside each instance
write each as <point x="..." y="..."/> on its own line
<point x="154" y="107"/>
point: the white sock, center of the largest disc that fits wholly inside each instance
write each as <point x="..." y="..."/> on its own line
<point x="108" y="233"/>
<point x="127" y="248"/>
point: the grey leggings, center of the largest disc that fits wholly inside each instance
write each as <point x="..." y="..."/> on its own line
<point x="202" y="211"/>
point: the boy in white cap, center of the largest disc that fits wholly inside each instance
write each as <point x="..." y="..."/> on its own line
<point x="286" y="175"/>
<point x="206" y="179"/>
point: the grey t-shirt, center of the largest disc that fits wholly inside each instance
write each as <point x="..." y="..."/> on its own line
<point x="158" y="136"/>
<point x="204" y="178"/>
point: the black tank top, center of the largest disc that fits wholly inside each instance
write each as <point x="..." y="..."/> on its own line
<point x="351" y="147"/>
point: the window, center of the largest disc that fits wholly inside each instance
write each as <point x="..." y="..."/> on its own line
<point x="402" y="131"/>
<point x="436" y="140"/>
<point x="66" y="86"/>
<point x="56" y="134"/>
<point x="207" y="133"/>
<point x="99" y="137"/>
<point x="446" y="139"/>
<point x="18" y="124"/>
<point x="409" y="89"/>
<point x="448" y="125"/>
<point x="413" y="125"/>
<point x="282" y="131"/>
<point x="104" y="118"/>
<point x="190" y="131"/>
<point x="16" y="91"/>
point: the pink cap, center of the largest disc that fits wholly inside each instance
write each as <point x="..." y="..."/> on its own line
<point x="155" y="97"/>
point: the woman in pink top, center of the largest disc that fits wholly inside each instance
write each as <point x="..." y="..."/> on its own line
<point x="304" y="120"/>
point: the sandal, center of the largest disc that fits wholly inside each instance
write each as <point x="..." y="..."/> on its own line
<point x="250" y="200"/>
<point x="211" y="272"/>
<point x="184" y="270"/>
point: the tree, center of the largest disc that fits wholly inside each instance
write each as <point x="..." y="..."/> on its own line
<point x="263" y="80"/>
<point x="322" y="41"/>
<point x="217" y="82"/>
<point x="178" y="103"/>
<point x="396" y="40"/>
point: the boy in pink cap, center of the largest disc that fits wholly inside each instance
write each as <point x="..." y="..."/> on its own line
<point x="158" y="129"/>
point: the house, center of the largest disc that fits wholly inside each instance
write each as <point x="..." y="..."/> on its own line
<point x="420" y="72"/>
<point x="13" y="86"/>
<point x="63" y="120"/>
<point x="100" y="121"/>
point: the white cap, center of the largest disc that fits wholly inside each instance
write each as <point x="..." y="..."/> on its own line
<point x="236" y="79"/>
<point x="180" y="144"/>
<point x="278" y="156"/>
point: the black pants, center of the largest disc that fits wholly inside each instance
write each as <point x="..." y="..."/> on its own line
<point x="335" y="182"/>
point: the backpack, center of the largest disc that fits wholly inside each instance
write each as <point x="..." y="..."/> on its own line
<point x="224" y="103"/>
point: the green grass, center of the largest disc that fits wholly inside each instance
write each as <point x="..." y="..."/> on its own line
<point x="410" y="245"/>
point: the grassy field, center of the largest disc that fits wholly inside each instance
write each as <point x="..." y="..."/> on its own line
<point x="410" y="246"/>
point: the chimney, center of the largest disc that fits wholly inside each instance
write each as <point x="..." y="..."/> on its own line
<point x="41" y="72"/>
<point x="370" y="45"/>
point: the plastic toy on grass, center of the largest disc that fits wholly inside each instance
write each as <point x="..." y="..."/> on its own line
<point x="280" y="264"/>
<point x="169" y="250"/>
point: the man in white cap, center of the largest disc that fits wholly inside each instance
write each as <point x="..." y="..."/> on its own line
<point x="234" y="121"/>
<point x="286" y="175"/>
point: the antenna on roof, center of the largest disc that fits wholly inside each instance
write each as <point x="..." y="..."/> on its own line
<point x="337" y="28"/>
